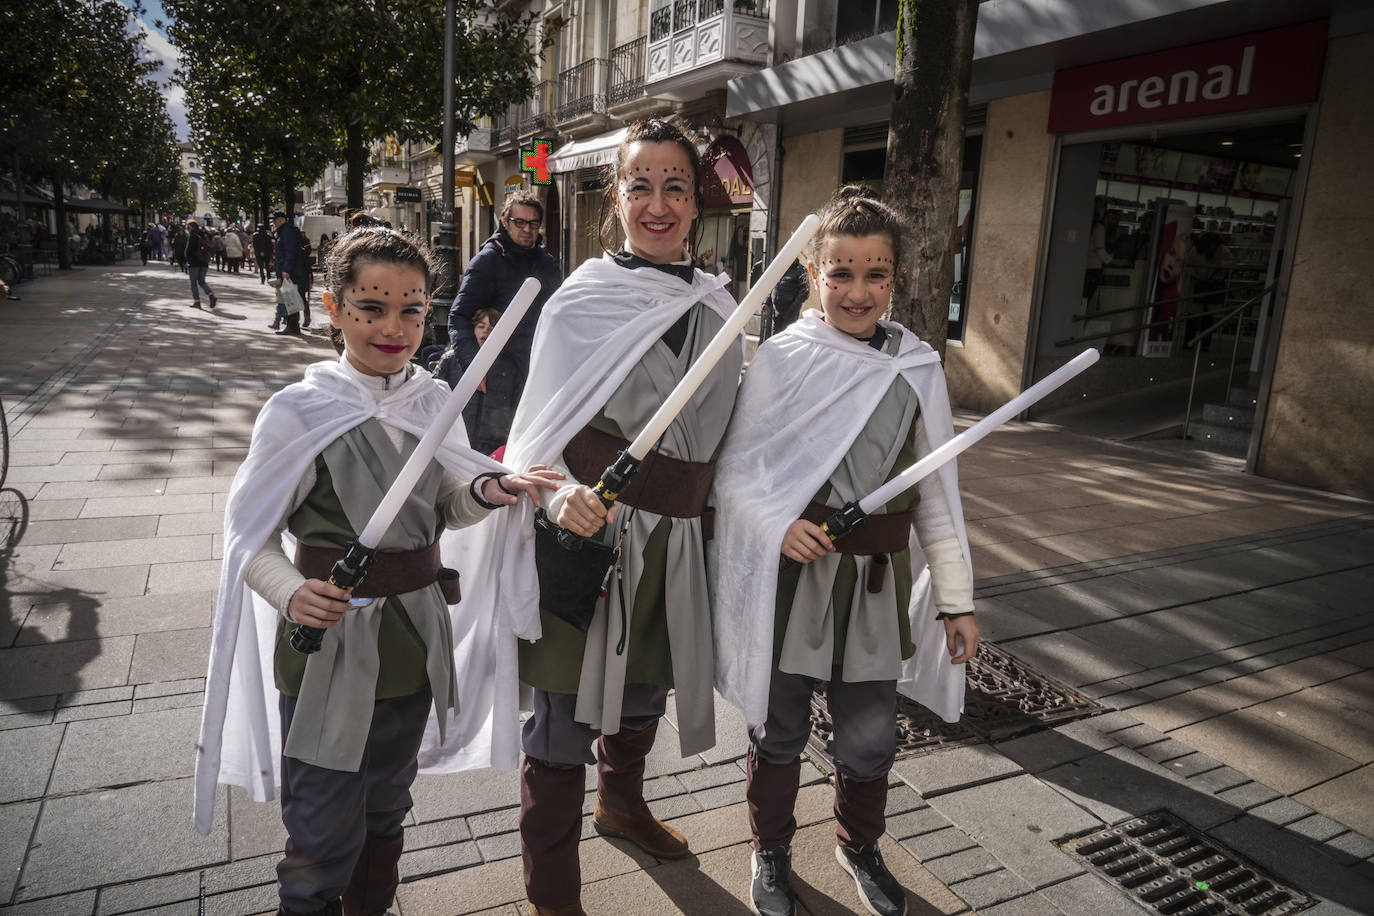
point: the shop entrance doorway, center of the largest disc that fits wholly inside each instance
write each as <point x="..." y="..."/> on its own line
<point x="1165" y="248"/>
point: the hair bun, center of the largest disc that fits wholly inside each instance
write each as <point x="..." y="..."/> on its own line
<point x="856" y="192"/>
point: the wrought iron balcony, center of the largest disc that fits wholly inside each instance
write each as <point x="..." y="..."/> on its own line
<point x="505" y="129"/>
<point x="695" y="45"/>
<point x="582" y="89"/>
<point x="536" y="112"/>
<point x="475" y="148"/>
<point x="627" y="72"/>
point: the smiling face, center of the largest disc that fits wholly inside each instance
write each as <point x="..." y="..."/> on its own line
<point x="381" y="313"/>
<point x="854" y="275"/>
<point x="656" y="200"/>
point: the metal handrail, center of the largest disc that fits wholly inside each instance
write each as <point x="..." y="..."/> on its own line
<point x="1235" y="348"/>
<point x="1154" y="324"/>
<point x="627" y="71"/>
<point x="1135" y="308"/>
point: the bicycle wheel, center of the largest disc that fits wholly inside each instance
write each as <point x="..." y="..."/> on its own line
<point x="9" y="270"/>
<point x="4" y="446"/>
<point x="14" y="518"/>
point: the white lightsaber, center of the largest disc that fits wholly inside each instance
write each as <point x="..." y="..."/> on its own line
<point x="912" y="475"/>
<point x="395" y="497"/>
<point x="724" y="339"/>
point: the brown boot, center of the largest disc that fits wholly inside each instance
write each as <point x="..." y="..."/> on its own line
<point x="550" y="826"/>
<point x="372" y="886"/>
<point x="620" y="807"/>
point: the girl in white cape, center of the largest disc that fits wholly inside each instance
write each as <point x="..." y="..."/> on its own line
<point x="354" y="714"/>
<point x="831" y="408"/>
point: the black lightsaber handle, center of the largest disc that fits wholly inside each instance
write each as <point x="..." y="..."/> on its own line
<point x="841" y="522"/>
<point x="348" y="571"/>
<point x="614" y="481"/>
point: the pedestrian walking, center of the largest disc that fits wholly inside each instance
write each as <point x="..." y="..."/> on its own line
<point x="145" y="246"/>
<point x="217" y="243"/>
<point x="198" y="252"/>
<point x="831" y="408"/>
<point x="353" y="715"/>
<point x="262" y="252"/>
<point x="233" y="250"/>
<point x="178" y="257"/>
<point x="289" y="264"/>
<point x="514" y="253"/>
<point x="619" y="334"/>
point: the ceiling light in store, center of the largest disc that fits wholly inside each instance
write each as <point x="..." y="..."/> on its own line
<point x="1228" y="143"/>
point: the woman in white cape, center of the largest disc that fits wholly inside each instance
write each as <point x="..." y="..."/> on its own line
<point x="610" y="346"/>
<point x="831" y="408"/>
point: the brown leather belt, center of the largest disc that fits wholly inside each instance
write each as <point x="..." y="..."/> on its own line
<point x="393" y="572"/>
<point x="878" y="534"/>
<point x="663" y="486"/>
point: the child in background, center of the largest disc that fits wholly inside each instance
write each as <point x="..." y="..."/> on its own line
<point x="831" y="408"/>
<point x="352" y="715"/>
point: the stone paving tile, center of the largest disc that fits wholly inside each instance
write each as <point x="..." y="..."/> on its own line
<point x="1088" y="894"/>
<point x="1119" y="784"/>
<point x="914" y="823"/>
<point x="1346" y="799"/>
<point x="1218" y="779"/>
<point x="190" y="523"/>
<point x="1190" y="764"/>
<point x="134" y="552"/>
<point x="499" y="846"/>
<point x="26" y="760"/>
<point x="255" y="828"/>
<point x="25" y="720"/>
<point x="443" y="796"/>
<point x="710" y="777"/>
<point x="1290" y="764"/>
<point x="249" y="901"/>
<point x="82" y="587"/>
<point x="1064" y="606"/>
<point x="1318" y="828"/>
<point x="986" y="891"/>
<point x="1356" y="846"/>
<point x="170" y="655"/>
<point x="38" y="670"/>
<point x="720" y="796"/>
<point x="154" y="704"/>
<point x="126" y="749"/>
<point x="418" y="863"/>
<point x="192" y="576"/>
<point x="16" y="826"/>
<point x="929" y="846"/>
<point x="242" y="872"/>
<point x="208" y="484"/>
<point x="1343" y="729"/>
<point x="1016" y="820"/>
<point x="94" y="711"/>
<point x="1248" y="795"/>
<point x="494" y="822"/>
<point x="120" y="835"/>
<point x="961" y="866"/>
<point x="47" y="510"/>
<point x="91" y="697"/>
<point x="195" y="685"/>
<point x="74" y="530"/>
<point x="81" y="904"/>
<point x="1281" y="811"/>
<point x="931" y="774"/>
<point x="1073" y="659"/>
<point x="50" y="622"/>
<point x="140" y="895"/>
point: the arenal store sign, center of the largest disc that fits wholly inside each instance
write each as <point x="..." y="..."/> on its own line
<point x="1260" y="70"/>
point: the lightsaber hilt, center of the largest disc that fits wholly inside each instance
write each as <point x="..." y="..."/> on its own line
<point x="845" y="520"/>
<point x="841" y="522"/>
<point x="348" y="571"/>
<point x="609" y="488"/>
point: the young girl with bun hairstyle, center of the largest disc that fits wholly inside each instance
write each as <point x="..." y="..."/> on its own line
<point x="611" y="344"/>
<point x="339" y="731"/>
<point x="830" y="409"/>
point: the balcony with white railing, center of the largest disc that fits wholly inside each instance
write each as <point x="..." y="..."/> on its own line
<point x="699" y="45"/>
<point x="475" y="148"/>
<point x="387" y="176"/>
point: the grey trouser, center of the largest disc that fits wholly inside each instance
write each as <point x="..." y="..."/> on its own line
<point x="329" y="813"/>
<point x="863" y="713"/>
<point x="552" y="736"/>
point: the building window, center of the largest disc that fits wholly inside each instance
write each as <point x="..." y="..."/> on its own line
<point x="192" y="164"/>
<point x="859" y="19"/>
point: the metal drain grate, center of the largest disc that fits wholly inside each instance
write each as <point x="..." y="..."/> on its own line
<point x="1004" y="697"/>
<point x="1174" y="869"/>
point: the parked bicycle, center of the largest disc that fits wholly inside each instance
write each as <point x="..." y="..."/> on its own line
<point x="11" y="272"/>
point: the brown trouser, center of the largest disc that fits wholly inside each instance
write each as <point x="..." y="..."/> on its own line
<point x="552" y="779"/>
<point x="864" y="744"/>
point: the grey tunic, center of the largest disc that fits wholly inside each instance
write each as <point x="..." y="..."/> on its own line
<point x="666" y="552"/>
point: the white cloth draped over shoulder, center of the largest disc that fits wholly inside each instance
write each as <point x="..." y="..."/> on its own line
<point x="807" y="395"/>
<point x="240" y="740"/>
<point x="599" y="324"/>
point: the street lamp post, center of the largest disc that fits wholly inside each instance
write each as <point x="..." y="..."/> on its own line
<point x="448" y="230"/>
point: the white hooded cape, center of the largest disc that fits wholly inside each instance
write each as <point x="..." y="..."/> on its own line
<point x="240" y="739"/>
<point x="598" y="325"/>
<point x="806" y="397"/>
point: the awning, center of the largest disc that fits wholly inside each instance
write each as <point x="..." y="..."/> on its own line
<point x="587" y="154"/>
<point x="98" y="205"/>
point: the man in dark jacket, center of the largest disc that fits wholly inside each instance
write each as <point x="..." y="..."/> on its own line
<point x="785" y="301"/>
<point x="287" y="262"/>
<point x="262" y="252"/>
<point x="515" y="253"/>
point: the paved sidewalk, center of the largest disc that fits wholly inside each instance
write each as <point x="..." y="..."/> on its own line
<point x="1223" y="622"/>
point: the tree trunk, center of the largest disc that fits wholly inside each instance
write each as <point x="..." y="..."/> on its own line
<point x="288" y="197"/>
<point x="925" y="146"/>
<point x="356" y="153"/>
<point x="59" y="207"/>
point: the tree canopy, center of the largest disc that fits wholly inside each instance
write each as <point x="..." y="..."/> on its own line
<point x="275" y="95"/>
<point x="77" y="102"/>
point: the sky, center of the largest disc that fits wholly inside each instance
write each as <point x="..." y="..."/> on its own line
<point x="163" y="51"/>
